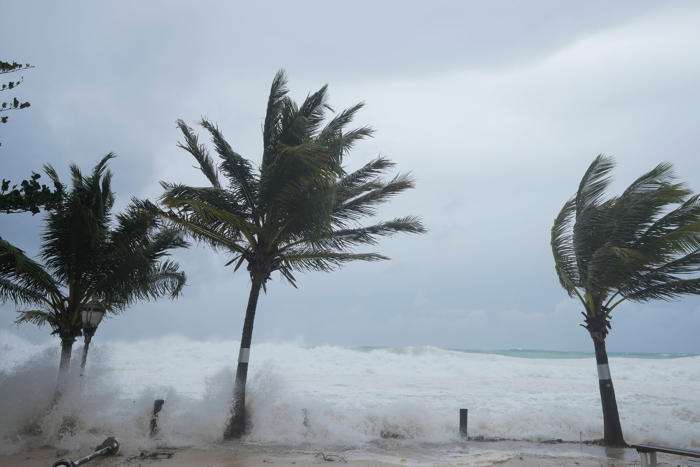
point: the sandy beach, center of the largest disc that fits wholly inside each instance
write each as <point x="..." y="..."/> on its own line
<point x="506" y="454"/>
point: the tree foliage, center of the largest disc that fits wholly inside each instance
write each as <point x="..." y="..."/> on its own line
<point x="87" y="254"/>
<point x="641" y="245"/>
<point x="30" y="196"/>
<point x="301" y="210"/>
<point x="14" y="103"/>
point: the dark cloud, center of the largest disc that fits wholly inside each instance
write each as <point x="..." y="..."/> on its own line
<point x="496" y="108"/>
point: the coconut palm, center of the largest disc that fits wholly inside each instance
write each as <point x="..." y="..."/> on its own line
<point x="88" y="257"/>
<point x="299" y="212"/>
<point x="639" y="246"/>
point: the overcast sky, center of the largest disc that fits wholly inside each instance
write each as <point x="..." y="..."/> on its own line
<point x="496" y="108"/>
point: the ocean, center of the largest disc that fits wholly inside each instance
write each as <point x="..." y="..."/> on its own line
<point x="326" y="397"/>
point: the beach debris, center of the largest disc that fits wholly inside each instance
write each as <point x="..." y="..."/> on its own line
<point x="108" y="447"/>
<point x="152" y="455"/>
<point x="330" y="457"/>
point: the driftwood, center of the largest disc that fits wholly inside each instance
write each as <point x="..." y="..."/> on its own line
<point x="330" y="457"/>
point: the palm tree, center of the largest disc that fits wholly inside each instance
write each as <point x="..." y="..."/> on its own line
<point x="86" y="258"/>
<point x="299" y="212"/>
<point x="639" y="246"/>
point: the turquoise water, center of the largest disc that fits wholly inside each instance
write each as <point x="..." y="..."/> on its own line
<point x="532" y="353"/>
<point x="556" y="354"/>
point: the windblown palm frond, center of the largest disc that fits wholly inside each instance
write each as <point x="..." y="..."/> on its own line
<point x="23" y="280"/>
<point x="200" y="153"/>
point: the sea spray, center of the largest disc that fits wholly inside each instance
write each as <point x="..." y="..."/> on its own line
<point x="330" y="396"/>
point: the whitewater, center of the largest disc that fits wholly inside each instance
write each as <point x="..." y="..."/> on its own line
<point x="328" y="396"/>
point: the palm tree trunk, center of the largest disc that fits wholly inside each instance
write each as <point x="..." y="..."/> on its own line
<point x="611" y="418"/>
<point x="236" y="424"/>
<point x="63" y="367"/>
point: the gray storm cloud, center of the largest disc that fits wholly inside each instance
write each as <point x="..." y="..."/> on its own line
<point x="496" y="109"/>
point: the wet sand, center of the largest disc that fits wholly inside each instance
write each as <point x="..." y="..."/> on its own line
<point x="505" y="454"/>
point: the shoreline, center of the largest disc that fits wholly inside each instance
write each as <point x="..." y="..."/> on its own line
<point x="470" y="453"/>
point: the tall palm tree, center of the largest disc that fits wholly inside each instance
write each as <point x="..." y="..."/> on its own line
<point x="299" y="212"/>
<point x="639" y="246"/>
<point x="87" y="258"/>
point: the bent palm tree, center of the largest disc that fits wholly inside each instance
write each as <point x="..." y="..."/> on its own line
<point x="639" y="246"/>
<point x="86" y="259"/>
<point x="300" y="212"/>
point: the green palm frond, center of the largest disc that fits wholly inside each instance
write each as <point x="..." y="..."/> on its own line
<point x="213" y="214"/>
<point x="17" y="293"/>
<point x="643" y="201"/>
<point x="365" y="204"/>
<point x="594" y="183"/>
<point x="313" y="112"/>
<point x="359" y="181"/>
<point x="667" y="291"/>
<point x="200" y="153"/>
<point x="343" y="239"/>
<point x="23" y="280"/>
<point x="310" y="259"/>
<point x="563" y="251"/>
<point x="37" y="317"/>
<point x="236" y="168"/>
<point x="272" y="126"/>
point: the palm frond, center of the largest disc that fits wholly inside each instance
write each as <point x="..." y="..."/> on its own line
<point x="37" y="317"/>
<point x="594" y="183"/>
<point x="200" y="153"/>
<point x="355" y="183"/>
<point x="667" y="290"/>
<point x="23" y="280"/>
<point x="272" y="127"/>
<point x="309" y="259"/>
<point x="562" y="248"/>
<point x="202" y="230"/>
<point x="313" y="111"/>
<point x="365" y="204"/>
<point x="343" y="239"/>
<point x="236" y="168"/>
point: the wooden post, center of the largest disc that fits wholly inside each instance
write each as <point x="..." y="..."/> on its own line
<point x="157" y="405"/>
<point x="463" y="415"/>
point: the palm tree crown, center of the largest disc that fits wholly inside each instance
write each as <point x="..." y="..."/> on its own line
<point x="639" y="246"/>
<point x="87" y="258"/>
<point x="300" y="211"/>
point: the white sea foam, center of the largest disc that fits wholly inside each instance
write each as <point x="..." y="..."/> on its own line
<point x="332" y="396"/>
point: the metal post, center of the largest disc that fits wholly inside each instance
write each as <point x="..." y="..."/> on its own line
<point x="88" y="338"/>
<point x="157" y="405"/>
<point x="463" y="416"/>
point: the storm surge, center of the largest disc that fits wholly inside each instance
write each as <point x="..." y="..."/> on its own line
<point x="328" y="396"/>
